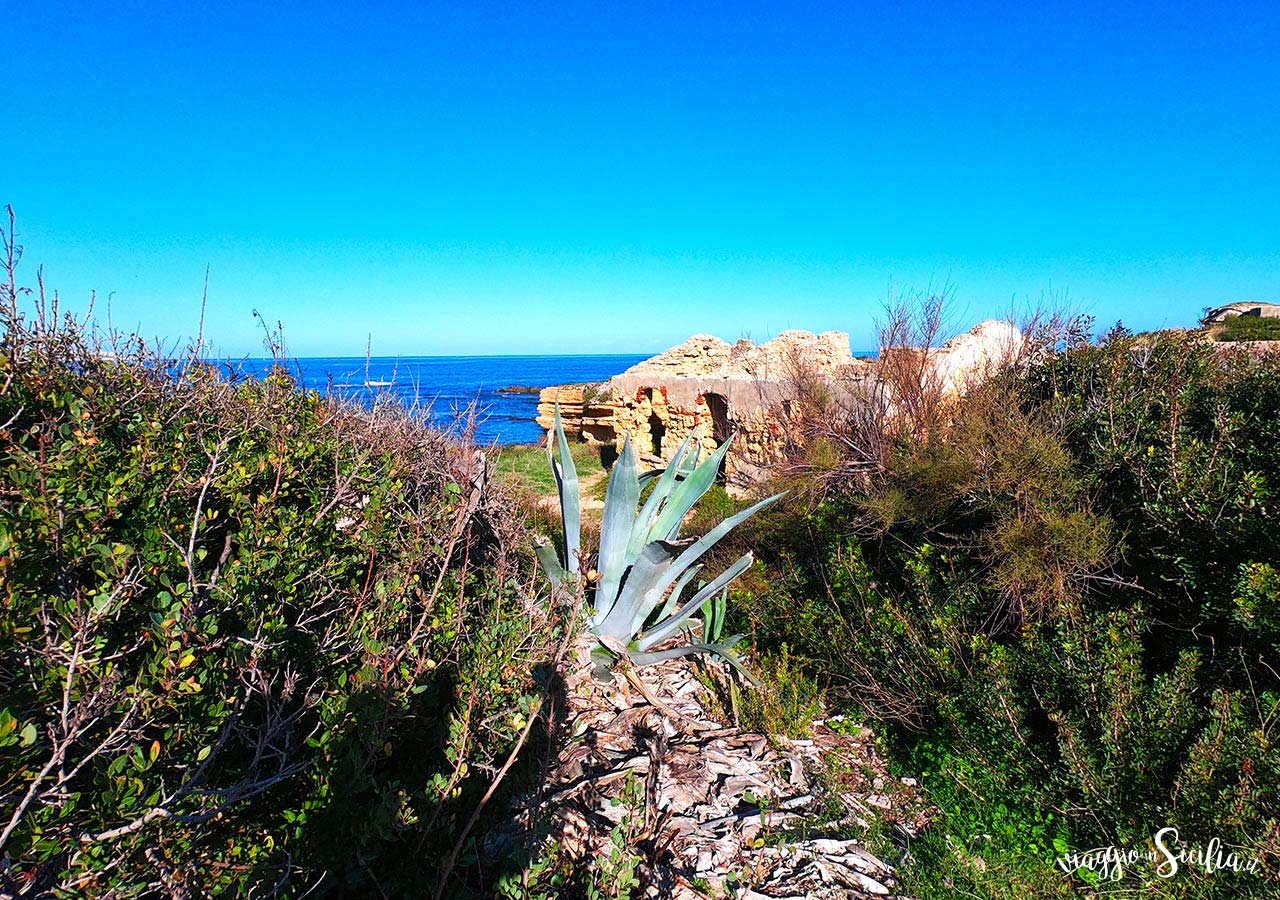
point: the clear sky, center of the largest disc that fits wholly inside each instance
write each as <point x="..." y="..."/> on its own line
<point x="562" y="177"/>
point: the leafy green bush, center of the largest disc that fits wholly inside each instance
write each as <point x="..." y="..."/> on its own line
<point x="1247" y="328"/>
<point x="253" y="641"/>
<point x="1069" y="594"/>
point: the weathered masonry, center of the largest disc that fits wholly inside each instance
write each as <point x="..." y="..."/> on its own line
<point x="711" y="389"/>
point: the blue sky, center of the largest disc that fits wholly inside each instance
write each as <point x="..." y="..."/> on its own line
<point x="562" y="177"/>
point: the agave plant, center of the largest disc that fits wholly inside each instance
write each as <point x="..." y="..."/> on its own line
<point x="643" y="566"/>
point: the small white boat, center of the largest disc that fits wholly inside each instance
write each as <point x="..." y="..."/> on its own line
<point x="378" y="383"/>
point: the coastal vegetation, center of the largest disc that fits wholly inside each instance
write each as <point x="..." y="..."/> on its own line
<point x="255" y="641"/>
<point x="1246" y="328"/>
<point x="260" y="642"/>
<point x="1057" y="603"/>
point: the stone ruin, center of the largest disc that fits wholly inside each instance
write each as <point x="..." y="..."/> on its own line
<point x="709" y="388"/>
<point x="1255" y="308"/>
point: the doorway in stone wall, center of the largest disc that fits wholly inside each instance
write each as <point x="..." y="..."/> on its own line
<point x="657" y="428"/>
<point x="718" y="406"/>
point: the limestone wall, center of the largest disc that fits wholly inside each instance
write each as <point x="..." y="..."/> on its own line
<point x="587" y="411"/>
<point x="1243" y="308"/>
<point x="711" y="389"/>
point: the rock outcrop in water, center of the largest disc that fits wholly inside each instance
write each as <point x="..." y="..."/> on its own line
<point x="711" y="389"/>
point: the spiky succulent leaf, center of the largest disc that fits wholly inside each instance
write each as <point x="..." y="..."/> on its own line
<point x="697" y="548"/>
<point x="688" y="492"/>
<point x="651" y="599"/>
<point x="637" y="590"/>
<point x="648" y="518"/>
<point x="646" y="477"/>
<point x="724" y="650"/>
<point x="713" y="618"/>
<point x="617" y="526"/>
<point x="570" y="510"/>
<point x="551" y="563"/>
<point x="673" y="599"/>
<point x="669" y="626"/>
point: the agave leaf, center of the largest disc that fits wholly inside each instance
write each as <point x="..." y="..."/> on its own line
<point x="617" y="525"/>
<point x="726" y="650"/>
<point x="723" y="650"/>
<point x="650" y="474"/>
<point x="644" y="609"/>
<point x="642" y="533"/>
<point x="650" y="569"/>
<point x="670" y="625"/>
<point x="674" y="599"/>
<point x="713" y="617"/>
<point x="646" y="477"/>
<point x="709" y="540"/>
<point x="551" y="563"/>
<point x="688" y="492"/>
<point x="570" y="512"/>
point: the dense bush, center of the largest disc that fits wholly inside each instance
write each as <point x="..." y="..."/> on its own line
<point x="1065" y="600"/>
<point x="253" y="641"/>
<point x="1247" y="328"/>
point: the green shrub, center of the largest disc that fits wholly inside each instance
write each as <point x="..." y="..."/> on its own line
<point x="988" y="840"/>
<point x="1247" y="328"/>
<point x="786" y="701"/>
<point x="1069" y="590"/>
<point x="1257" y="603"/>
<point x="252" y="640"/>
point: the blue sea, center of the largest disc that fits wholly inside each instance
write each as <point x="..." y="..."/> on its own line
<point x="445" y="385"/>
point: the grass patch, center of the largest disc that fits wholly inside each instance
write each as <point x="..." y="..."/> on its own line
<point x="526" y="466"/>
<point x="989" y="841"/>
<point x="1246" y="328"/>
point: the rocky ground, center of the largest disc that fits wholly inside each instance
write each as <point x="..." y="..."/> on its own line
<point x="711" y="809"/>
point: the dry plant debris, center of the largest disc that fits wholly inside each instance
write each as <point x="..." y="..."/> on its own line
<point x="740" y="813"/>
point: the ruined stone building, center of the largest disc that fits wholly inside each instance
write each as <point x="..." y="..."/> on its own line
<point x="1243" y="308"/>
<point x="713" y="389"/>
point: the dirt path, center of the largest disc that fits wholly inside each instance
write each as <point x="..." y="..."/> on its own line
<point x="586" y="502"/>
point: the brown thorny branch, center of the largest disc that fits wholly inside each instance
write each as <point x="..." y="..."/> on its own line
<point x="896" y="399"/>
<point x="899" y="395"/>
<point x="862" y="413"/>
<point x="82" y="731"/>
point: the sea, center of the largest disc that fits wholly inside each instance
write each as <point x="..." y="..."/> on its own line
<point x="442" y="387"/>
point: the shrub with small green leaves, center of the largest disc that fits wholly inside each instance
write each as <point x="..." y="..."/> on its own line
<point x="1068" y="594"/>
<point x="253" y="640"/>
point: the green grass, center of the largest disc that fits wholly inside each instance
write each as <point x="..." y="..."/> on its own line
<point x="526" y="466"/>
<point x="1247" y="328"/>
<point x="988" y="841"/>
